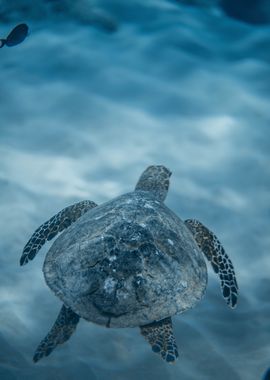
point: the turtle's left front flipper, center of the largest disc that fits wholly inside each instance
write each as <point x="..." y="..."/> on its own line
<point x="52" y="227"/>
<point x="61" y="331"/>
<point x="215" y="253"/>
<point x="160" y="335"/>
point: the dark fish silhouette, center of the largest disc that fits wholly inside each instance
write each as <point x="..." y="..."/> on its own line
<point x="267" y="375"/>
<point x="16" y="36"/>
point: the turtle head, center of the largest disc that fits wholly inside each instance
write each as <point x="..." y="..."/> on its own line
<point x="155" y="179"/>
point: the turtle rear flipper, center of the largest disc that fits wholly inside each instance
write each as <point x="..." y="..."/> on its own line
<point x="215" y="253"/>
<point x="160" y="335"/>
<point x="52" y="227"/>
<point x="61" y="331"/>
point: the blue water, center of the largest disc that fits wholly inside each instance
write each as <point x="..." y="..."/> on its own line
<point x="98" y="91"/>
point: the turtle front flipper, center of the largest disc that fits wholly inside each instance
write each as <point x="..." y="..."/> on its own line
<point x="215" y="253"/>
<point x="61" y="331"/>
<point x="160" y="335"/>
<point x="52" y="227"/>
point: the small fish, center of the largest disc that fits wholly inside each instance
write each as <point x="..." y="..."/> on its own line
<point x="267" y="375"/>
<point x="16" y="36"/>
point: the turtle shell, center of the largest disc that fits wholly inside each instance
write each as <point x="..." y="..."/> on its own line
<point x="127" y="263"/>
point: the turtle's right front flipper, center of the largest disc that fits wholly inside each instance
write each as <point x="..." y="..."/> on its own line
<point x="61" y="331"/>
<point x="215" y="253"/>
<point x="52" y="227"/>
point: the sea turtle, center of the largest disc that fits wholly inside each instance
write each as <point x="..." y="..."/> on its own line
<point x="130" y="262"/>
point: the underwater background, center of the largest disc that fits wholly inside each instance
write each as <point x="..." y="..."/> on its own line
<point x="98" y="91"/>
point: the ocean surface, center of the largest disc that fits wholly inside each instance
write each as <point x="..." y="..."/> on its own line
<point x="98" y="91"/>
